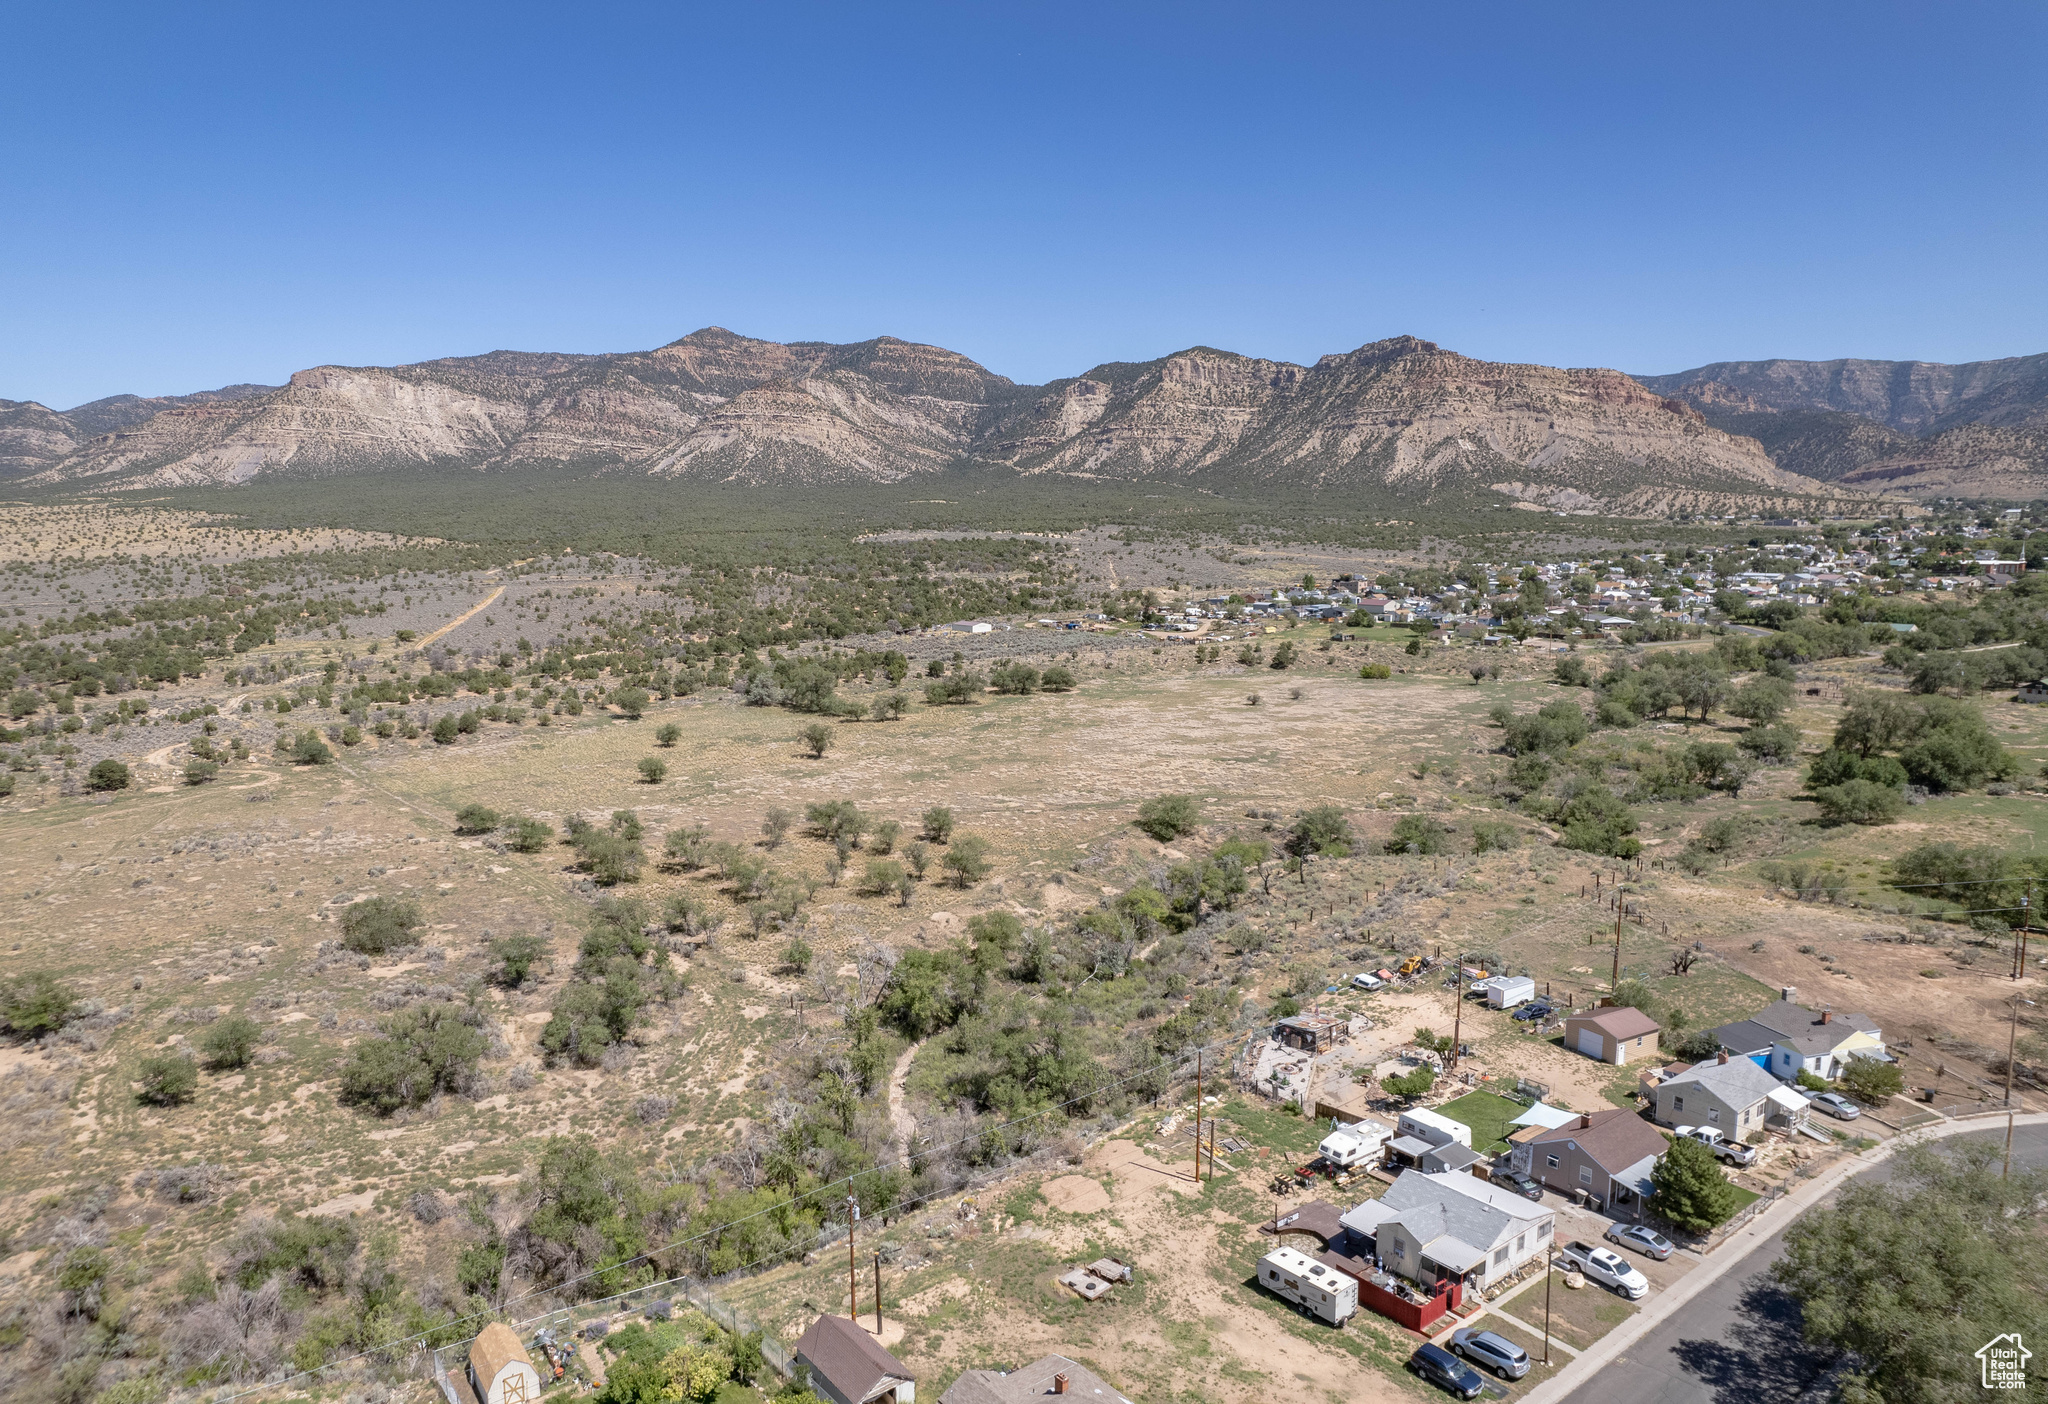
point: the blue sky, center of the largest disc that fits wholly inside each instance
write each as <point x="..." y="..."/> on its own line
<point x="195" y="195"/>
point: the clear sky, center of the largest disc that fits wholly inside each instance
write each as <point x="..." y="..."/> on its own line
<point x="193" y="195"/>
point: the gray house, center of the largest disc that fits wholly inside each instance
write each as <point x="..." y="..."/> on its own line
<point x="849" y="1367"/>
<point x="1044" y="1377"/>
<point x="1793" y="1039"/>
<point x="1434" y="1228"/>
<point x="1729" y="1095"/>
<point x="1605" y="1155"/>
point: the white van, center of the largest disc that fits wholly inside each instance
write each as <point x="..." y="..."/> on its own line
<point x="1316" y="1288"/>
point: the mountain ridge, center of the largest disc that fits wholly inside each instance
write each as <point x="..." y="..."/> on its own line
<point x="1401" y="415"/>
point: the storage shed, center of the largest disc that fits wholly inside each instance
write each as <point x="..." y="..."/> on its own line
<point x="1615" y="1035"/>
<point x="848" y="1366"/>
<point x="499" y="1370"/>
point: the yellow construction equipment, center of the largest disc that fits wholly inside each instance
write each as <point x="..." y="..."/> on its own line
<point x="1410" y="965"/>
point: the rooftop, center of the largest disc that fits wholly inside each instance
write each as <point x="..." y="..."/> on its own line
<point x="845" y="1354"/>
<point x="1033" y="1381"/>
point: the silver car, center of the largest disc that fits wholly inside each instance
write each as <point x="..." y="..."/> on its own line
<point x="1837" y="1106"/>
<point x="1642" y="1239"/>
<point x="1496" y="1353"/>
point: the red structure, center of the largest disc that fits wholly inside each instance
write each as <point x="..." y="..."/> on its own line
<point x="1416" y="1316"/>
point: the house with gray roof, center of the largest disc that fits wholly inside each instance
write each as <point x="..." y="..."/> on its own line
<point x="1729" y="1095"/>
<point x="848" y="1366"/>
<point x="1047" y="1377"/>
<point x="1454" y="1227"/>
<point x="1789" y="1039"/>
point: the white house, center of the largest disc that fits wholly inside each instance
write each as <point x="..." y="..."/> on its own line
<point x="1434" y="1228"/>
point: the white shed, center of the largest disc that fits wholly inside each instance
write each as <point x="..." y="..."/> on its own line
<point x="499" y="1370"/>
<point x="1507" y="991"/>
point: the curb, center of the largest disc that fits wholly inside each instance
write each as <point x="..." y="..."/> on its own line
<point x="1564" y="1383"/>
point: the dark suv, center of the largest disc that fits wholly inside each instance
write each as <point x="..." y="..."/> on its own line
<point x="1446" y="1371"/>
<point x="1521" y="1184"/>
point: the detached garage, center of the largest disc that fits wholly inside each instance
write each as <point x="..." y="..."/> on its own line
<point x="1614" y="1035"/>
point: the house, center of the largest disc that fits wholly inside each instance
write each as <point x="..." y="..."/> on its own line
<point x="499" y="1370"/>
<point x="1613" y="1035"/>
<point x="1729" y="1095"/>
<point x="2035" y="691"/>
<point x="1606" y="1155"/>
<point x="1788" y="1038"/>
<point x="1311" y="1032"/>
<point x="971" y="626"/>
<point x="1457" y="1228"/>
<point x="1047" y="1375"/>
<point x="848" y="1367"/>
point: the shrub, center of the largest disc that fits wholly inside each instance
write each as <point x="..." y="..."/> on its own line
<point x="446" y="729"/>
<point x="1417" y="833"/>
<point x="1779" y="741"/>
<point x="653" y="770"/>
<point x="1321" y="830"/>
<point x="1375" y="670"/>
<point x="1494" y="836"/>
<point x="107" y="775"/>
<point x="1057" y="679"/>
<point x="1872" y="1081"/>
<point x="229" y="1042"/>
<point x="967" y="859"/>
<point x="475" y="819"/>
<point x="169" y="1079"/>
<point x="1860" y="802"/>
<point x="1167" y="817"/>
<point x="379" y="924"/>
<point x="1409" y="1086"/>
<point x="817" y="739"/>
<point x="199" y="772"/>
<point x="632" y="701"/>
<point x="1014" y="679"/>
<point x="424" y="1049"/>
<point x="309" y="749"/>
<point x="668" y="735"/>
<point x="938" y="824"/>
<point x="956" y="689"/>
<point x="882" y="876"/>
<point x="515" y="957"/>
<point x="526" y="835"/>
<point x="36" y="1003"/>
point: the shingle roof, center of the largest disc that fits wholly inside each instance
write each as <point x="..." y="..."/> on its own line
<point x="1622" y="1021"/>
<point x="845" y="1354"/>
<point x="1033" y="1381"/>
<point x="494" y="1348"/>
<point x="1738" y="1082"/>
<point x="1456" y="1206"/>
<point x="1783" y="1017"/>
<point x="1617" y="1139"/>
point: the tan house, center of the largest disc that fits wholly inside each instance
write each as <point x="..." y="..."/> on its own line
<point x="499" y="1370"/>
<point x="1617" y="1035"/>
<point x="1606" y="1156"/>
<point x="849" y="1367"/>
<point x="1730" y="1095"/>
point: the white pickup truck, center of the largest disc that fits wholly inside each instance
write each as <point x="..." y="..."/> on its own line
<point x="1608" y="1268"/>
<point x="1734" y="1152"/>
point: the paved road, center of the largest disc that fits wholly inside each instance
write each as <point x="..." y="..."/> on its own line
<point x="1738" y="1342"/>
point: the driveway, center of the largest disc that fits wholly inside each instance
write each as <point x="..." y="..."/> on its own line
<point x="1737" y="1341"/>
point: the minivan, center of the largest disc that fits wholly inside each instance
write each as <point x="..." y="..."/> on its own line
<point x="1446" y="1371"/>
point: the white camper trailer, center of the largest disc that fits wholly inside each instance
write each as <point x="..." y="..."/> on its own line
<point x="1507" y="991"/>
<point x="1435" y="1128"/>
<point x="1316" y="1288"/>
<point x="1355" y="1147"/>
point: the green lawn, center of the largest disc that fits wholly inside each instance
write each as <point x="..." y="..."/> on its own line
<point x="1743" y="1198"/>
<point x="1489" y="1116"/>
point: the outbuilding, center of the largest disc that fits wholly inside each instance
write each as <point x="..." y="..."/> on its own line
<point x="499" y="1370"/>
<point x="1612" y="1035"/>
<point x="1434" y="1127"/>
<point x="848" y="1366"/>
<point x="1507" y="991"/>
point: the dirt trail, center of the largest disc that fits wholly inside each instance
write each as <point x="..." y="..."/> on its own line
<point x="461" y="619"/>
<point x="900" y="1120"/>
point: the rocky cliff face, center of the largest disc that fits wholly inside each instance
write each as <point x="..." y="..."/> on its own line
<point x="1401" y="415"/>
<point x="1915" y="427"/>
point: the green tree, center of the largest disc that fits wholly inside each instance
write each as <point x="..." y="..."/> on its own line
<point x="475" y="819"/>
<point x="1408" y="1086"/>
<point x="1057" y="678"/>
<point x="515" y="957"/>
<point x="446" y="729"/>
<point x="379" y="924"/>
<point x="423" y="1049"/>
<point x="1167" y="817"/>
<point x="1860" y="802"/>
<point x="36" y="1003"/>
<point x="775" y="826"/>
<point x="817" y="739"/>
<point x="527" y="835"/>
<point x="1871" y="1081"/>
<point x="653" y="770"/>
<point x="1763" y="699"/>
<point x="230" y="1042"/>
<point x="1322" y="830"/>
<point x="632" y="701"/>
<point x="169" y="1079"/>
<point x="1595" y="821"/>
<point x="967" y="859"/>
<point x="107" y="775"/>
<point x="668" y="735"/>
<point x="309" y="749"/>
<point x="1688" y="1188"/>
<point x="938" y="824"/>
<point x="200" y="772"/>
<point x="1907" y="1278"/>
<point x="1418" y="833"/>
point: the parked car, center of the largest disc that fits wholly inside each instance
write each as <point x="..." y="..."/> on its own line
<point x="1837" y="1106"/>
<point x="1734" y="1152"/>
<point x="1496" y="1353"/>
<point x="1608" y="1268"/>
<point x="1518" y="1182"/>
<point x="1366" y="980"/>
<point x="1644" y="1240"/>
<point x="1534" y="1011"/>
<point x="1446" y="1371"/>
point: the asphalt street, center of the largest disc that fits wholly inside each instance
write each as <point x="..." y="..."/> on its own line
<point x="1738" y="1341"/>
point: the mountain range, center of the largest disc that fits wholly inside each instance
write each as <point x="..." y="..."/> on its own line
<point x="1401" y="417"/>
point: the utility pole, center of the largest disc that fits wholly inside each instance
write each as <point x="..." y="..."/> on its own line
<point x="852" y="1282"/>
<point x="1615" y="983"/>
<point x="878" y="1293"/>
<point x="1198" y="1117"/>
<point x="1547" y="1275"/>
<point x="1457" y="1018"/>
